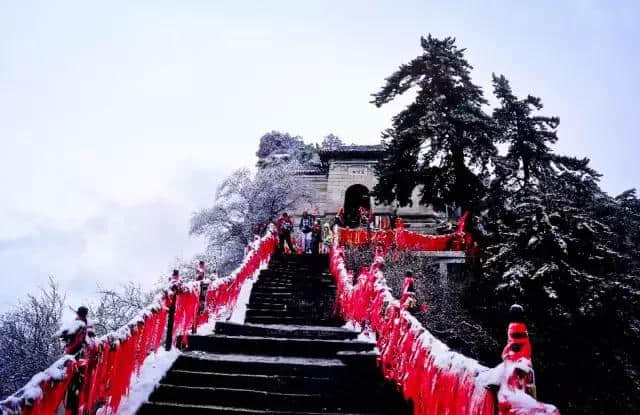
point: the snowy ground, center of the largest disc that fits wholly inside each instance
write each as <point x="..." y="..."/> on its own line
<point x="240" y="310"/>
<point x="152" y="371"/>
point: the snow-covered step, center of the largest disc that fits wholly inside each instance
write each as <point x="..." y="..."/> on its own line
<point x="286" y="330"/>
<point x="278" y="346"/>
<point x="291" y="357"/>
<point x="178" y="409"/>
<point x="260" y="364"/>
<point x="333" y="400"/>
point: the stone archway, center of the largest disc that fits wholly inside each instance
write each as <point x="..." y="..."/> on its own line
<point x="355" y="197"/>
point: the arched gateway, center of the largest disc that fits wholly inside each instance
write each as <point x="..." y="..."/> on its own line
<point x="355" y="198"/>
<point x="346" y="179"/>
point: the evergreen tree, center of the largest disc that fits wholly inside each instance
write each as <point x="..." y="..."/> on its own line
<point x="331" y="142"/>
<point x="442" y="140"/>
<point x="557" y="243"/>
<point x="556" y="250"/>
<point x="277" y="143"/>
<point x="528" y="136"/>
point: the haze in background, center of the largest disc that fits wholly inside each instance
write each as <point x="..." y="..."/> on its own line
<point x="118" y="119"/>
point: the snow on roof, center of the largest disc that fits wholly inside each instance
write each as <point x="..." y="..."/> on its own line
<point x="368" y="151"/>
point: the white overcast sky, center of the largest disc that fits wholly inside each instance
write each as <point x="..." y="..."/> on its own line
<point x="118" y="118"/>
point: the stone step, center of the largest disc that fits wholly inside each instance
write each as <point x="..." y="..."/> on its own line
<point x="286" y="282"/>
<point x="253" y="399"/>
<point x="285" y="312"/>
<point x="260" y="364"/>
<point x="286" y="331"/>
<point x="268" y="319"/>
<point x="163" y="408"/>
<point x="273" y="284"/>
<point x="276" y="346"/>
<point x="297" y="313"/>
<point x="292" y="357"/>
<point x="278" y="303"/>
<point x="266" y="382"/>
<point x="297" y="282"/>
<point x="271" y="293"/>
<point x="265" y="298"/>
<point x="265" y="292"/>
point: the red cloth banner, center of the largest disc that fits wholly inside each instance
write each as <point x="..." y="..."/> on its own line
<point x="436" y="379"/>
<point x="400" y="238"/>
<point x="104" y="373"/>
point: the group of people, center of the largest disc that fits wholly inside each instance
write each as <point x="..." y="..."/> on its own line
<point x="315" y="237"/>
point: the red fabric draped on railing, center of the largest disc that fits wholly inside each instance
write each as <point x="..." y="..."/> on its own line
<point x="403" y="239"/>
<point x="436" y="379"/>
<point x="109" y="363"/>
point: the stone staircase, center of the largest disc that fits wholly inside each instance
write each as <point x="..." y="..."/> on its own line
<point x="290" y="357"/>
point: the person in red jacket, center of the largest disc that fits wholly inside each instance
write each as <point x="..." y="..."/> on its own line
<point x="285" y="227"/>
<point x="408" y="298"/>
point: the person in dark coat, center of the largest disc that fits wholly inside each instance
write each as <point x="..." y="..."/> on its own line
<point x="339" y="219"/>
<point x="393" y="218"/>
<point x="285" y="227"/>
<point x="75" y="335"/>
<point x="316" y="237"/>
<point x="306" y="224"/>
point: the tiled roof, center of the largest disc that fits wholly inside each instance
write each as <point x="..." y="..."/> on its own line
<point x="375" y="148"/>
<point x="310" y="170"/>
<point x="362" y="151"/>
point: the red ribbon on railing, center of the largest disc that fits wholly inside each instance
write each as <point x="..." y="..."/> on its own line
<point x="403" y="239"/>
<point x="110" y="362"/>
<point x="436" y="379"/>
<point x="53" y="392"/>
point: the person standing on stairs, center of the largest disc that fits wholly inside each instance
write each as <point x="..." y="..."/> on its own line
<point x="285" y="226"/>
<point x="316" y="237"/>
<point x="339" y="219"/>
<point x="327" y="240"/>
<point x="306" y="225"/>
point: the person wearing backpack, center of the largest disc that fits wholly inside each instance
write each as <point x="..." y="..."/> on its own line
<point x="306" y="225"/>
<point x="285" y="226"/>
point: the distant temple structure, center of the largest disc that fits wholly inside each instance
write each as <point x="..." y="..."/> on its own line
<point x="345" y="178"/>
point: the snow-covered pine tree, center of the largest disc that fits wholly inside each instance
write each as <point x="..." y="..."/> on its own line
<point x="276" y="146"/>
<point x="331" y="142"/>
<point x="443" y="139"/>
<point x="243" y="201"/>
<point x="528" y="136"/>
<point x="554" y="251"/>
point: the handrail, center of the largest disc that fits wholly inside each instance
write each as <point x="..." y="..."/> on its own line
<point x="402" y="239"/>
<point x="101" y="376"/>
<point x="435" y="378"/>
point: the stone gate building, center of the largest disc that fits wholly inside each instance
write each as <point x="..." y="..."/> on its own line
<point x="346" y="179"/>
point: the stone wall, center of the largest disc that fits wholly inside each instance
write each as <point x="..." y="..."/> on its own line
<point x="329" y="190"/>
